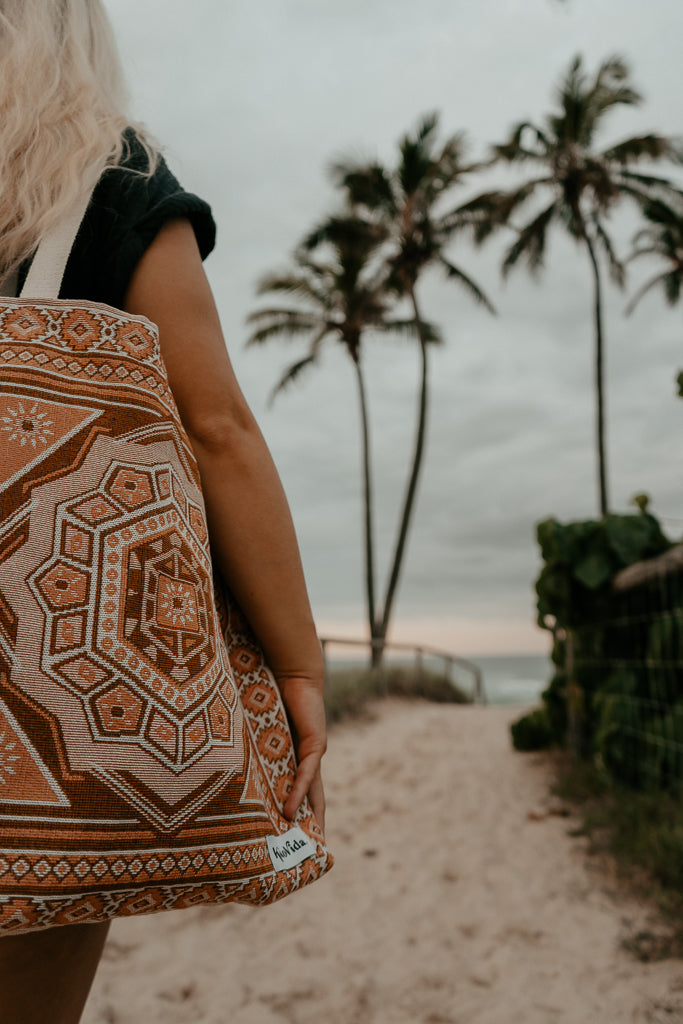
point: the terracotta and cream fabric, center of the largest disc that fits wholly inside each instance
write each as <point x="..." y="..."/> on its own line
<point x="145" y="754"/>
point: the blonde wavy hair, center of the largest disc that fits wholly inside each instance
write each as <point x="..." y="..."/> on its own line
<point x="62" y="114"/>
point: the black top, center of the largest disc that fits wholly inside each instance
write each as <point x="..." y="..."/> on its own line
<point x="125" y="214"/>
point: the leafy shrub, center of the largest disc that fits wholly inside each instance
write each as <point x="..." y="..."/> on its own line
<point x="532" y="731"/>
<point x="554" y="699"/>
<point x="625" y="719"/>
<point x="614" y="731"/>
<point x="581" y="560"/>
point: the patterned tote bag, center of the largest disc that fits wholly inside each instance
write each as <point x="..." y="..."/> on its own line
<point x="145" y="754"/>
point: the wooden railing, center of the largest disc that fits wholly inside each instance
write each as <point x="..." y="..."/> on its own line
<point x="419" y="651"/>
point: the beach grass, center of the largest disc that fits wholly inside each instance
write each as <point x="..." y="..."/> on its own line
<point x="642" y="834"/>
<point x="350" y="692"/>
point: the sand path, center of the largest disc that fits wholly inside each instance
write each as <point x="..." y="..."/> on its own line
<point x="448" y="904"/>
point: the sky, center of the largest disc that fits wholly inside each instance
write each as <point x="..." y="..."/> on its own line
<point x="252" y="101"/>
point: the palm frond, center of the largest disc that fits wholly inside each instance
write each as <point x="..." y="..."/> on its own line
<point x="446" y="169"/>
<point x="513" y="150"/>
<point x="642" y="195"/>
<point x="582" y="105"/>
<point x="613" y="71"/>
<point x="294" y="371"/>
<point x="663" y="237"/>
<point x="574" y="80"/>
<point x="491" y="210"/>
<point x="427" y="127"/>
<point x="286" y="331"/>
<point x="283" y="311"/>
<point x="366" y="185"/>
<point x="640" y="147"/>
<point x="571" y="122"/>
<point x="348" y="233"/>
<point x="650" y="182"/>
<point x="664" y="215"/>
<point x="609" y="97"/>
<point x="643" y="250"/>
<point x="291" y="374"/>
<point x="531" y="242"/>
<point x="414" y="167"/>
<point x="481" y="212"/>
<point x="418" y="164"/>
<point x="510" y="202"/>
<point x="283" y="327"/>
<point x="407" y="328"/>
<point x="643" y="290"/>
<point x="672" y="287"/>
<point x="470" y="286"/>
<point x="292" y="284"/>
<point x="610" y="88"/>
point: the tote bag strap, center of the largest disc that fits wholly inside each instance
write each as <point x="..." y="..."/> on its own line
<point x="44" y="278"/>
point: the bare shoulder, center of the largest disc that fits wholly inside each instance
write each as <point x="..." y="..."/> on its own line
<point x="170" y="287"/>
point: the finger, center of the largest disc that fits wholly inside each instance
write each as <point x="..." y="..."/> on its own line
<point x="305" y="774"/>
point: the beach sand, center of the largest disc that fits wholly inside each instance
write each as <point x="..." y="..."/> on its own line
<point x="456" y="897"/>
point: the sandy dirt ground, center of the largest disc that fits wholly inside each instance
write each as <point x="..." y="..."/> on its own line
<point x="456" y="898"/>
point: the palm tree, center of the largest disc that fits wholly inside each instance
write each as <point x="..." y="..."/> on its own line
<point x="405" y="206"/>
<point x="576" y="186"/>
<point x="337" y="297"/>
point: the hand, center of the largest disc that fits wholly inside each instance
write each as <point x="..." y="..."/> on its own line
<point x="303" y="699"/>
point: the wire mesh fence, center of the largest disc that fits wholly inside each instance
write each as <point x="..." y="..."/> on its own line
<point x="625" y="678"/>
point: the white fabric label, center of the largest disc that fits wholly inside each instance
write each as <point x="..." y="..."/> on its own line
<point x="290" y="848"/>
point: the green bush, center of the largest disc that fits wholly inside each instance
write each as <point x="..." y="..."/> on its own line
<point x="623" y="647"/>
<point x="554" y="699"/>
<point x="661" y="761"/>
<point x="614" y="734"/>
<point x="582" y="558"/>
<point x="532" y="731"/>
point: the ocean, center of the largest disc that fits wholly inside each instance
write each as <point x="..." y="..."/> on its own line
<point x="515" y="678"/>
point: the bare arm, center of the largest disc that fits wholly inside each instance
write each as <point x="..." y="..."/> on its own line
<point x="251" y="528"/>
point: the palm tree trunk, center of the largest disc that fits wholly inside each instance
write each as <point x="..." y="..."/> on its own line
<point x="599" y="383"/>
<point x="411" y="489"/>
<point x="367" y="503"/>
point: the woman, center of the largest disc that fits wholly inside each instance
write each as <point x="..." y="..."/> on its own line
<point x="140" y="248"/>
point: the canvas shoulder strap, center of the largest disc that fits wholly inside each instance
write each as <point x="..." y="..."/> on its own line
<point x="45" y="275"/>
